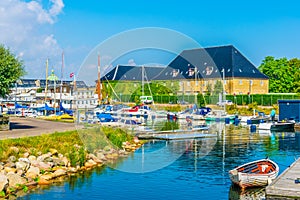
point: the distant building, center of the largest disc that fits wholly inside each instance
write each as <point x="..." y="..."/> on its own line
<point x="32" y="91"/>
<point x="197" y="70"/>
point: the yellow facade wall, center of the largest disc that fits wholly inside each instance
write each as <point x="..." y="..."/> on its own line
<point x="232" y="86"/>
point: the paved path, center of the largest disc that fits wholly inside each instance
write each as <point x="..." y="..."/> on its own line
<point x="24" y="127"/>
<point x="284" y="186"/>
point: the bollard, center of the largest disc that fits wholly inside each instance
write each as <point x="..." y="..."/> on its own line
<point x="252" y="128"/>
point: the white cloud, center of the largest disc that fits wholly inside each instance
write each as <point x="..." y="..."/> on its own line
<point x="57" y="7"/>
<point x="25" y="30"/>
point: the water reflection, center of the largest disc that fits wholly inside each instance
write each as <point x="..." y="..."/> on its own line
<point x="235" y="193"/>
<point x="185" y="169"/>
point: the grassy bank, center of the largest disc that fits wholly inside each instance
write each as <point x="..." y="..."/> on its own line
<point x="68" y="143"/>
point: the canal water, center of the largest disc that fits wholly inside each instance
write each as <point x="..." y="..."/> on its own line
<point x="181" y="169"/>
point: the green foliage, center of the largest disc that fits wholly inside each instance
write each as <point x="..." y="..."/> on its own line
<point x="218" y="87"/>
<point x="201" y="100"/>
<point x="39" y="90"/>
<point x="170" y="125"/>
<point x="116" y="136"/>
<point x="77" y="156"/>
<point x="209" y="89"/>
<point x="2" y="194"/>
<point x="11" y="69"/>
<point x="283" y="73"/>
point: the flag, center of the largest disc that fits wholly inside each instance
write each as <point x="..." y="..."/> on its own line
<point x="72" y="74"/>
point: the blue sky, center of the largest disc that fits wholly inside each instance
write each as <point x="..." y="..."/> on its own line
<point x="36" y="30"/>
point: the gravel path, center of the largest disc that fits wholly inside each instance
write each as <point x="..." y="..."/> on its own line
<point x="25" y="127"/>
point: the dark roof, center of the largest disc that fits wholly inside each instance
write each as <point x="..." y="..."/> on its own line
<point x="28" y="83"/>
<point x="132" y="73"/>
<point x="206" y="62"/>
<point x="209" y="63"/>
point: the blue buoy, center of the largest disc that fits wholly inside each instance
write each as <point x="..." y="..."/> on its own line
<point x="236" y="121"/>
<point x="252" y="128"/>
<point x="227" y="120"/>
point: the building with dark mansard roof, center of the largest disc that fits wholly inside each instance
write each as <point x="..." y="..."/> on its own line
<point x="195" y="69"/>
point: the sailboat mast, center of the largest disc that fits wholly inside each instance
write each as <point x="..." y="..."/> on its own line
<point x="143" y="80"/>
<point x="61" y="78"/>
<point x="99" y="83"/>
<point x="46" y="88"/>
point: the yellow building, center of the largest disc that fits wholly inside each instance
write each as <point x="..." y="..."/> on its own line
<point x="199" y="70"/>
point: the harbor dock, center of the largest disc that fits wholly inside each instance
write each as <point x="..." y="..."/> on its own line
<point x="287" y="185"/>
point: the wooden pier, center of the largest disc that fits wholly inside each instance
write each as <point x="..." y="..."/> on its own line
<point x="287" y="185"/>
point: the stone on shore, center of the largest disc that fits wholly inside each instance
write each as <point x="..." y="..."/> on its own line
<point x="33" y="172"/>
<point x="59" y="172"/>
<point x="3" y="182"/>
<point x="15" y="179"/>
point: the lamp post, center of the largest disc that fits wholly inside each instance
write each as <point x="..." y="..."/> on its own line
<point x="53" y="78"/>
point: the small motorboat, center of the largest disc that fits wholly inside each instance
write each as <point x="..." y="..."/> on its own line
<point x="277" y="126"/>
<point x="254" y="174"/>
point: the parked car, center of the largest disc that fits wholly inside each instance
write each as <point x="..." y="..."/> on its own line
<point x="224" y="102"/>
<point x="182" y="102"/>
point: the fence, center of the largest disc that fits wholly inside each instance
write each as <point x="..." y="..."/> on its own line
<point x="260" y="99"/>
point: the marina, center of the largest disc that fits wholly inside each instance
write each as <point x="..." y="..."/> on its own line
<point x="185" y="168"/>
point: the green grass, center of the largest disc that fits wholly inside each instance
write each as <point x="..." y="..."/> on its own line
<point x="73" y="144"/>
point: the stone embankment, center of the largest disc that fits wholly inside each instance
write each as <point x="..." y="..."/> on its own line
<point x="29" y="171"/>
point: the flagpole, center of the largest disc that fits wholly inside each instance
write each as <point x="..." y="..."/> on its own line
<point x="61" y="79"/>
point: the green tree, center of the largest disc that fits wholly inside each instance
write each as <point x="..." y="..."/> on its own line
<point x="218" y="87"/>
<point x="283" y="74"/>
<point x="209" y="89"/>
<point x="11" y="69"/>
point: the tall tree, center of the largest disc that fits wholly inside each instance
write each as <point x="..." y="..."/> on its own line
<point x="218" y="87"/>
<point x="11" y="69"/>
<point x="282" y="74"/>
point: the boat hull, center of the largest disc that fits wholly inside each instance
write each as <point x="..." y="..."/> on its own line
<point x="249" y="174"/>
<point x="277" y="126"/>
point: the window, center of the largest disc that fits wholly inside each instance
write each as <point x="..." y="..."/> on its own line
<point x="188" y="83"/>
<point x="251" y="82"/>
<point x="261" y="83"/>
<point x="241" y="82"/>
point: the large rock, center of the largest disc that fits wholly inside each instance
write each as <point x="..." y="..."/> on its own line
<point x="32" y="158"/>
<point x="43" y="181"/>
<point x="101" y="156"/>
<point x="90" y="163"/>
<point x="10" y="170"/>
<point x="33" y="172"/>
<point x="58" y="162"/>
<point x="15" y="179"/>
<point x="44" y="166"/>
<point x="10" y="164"/>
<point x="3" y="182"/>
<point x="59" y="172"/>
<point x="94" y="158"/>
<point x="12" y="159"/>
<point x="47" y="177"/>
<point x="26" y="155"/>
<point x="43" y="157"/>
<point x="22" y="165"/>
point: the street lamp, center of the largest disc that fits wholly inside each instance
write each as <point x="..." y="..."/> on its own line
<point x="53" y="78"/>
